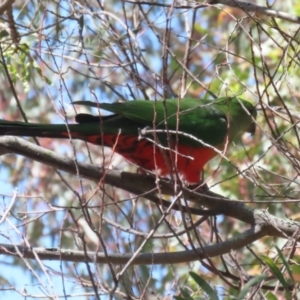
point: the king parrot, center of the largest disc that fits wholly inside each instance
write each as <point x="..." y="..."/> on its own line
<point x="167" y="136"/>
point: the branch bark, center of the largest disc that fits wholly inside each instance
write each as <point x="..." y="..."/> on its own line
<point x="250" y="7"/>
<point x="261" y="221"/>
<point x="246" y="6"/>
<point x="235" y="243"/>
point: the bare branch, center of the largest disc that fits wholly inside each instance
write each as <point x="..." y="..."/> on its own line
<point x="246" y="6"/>
<point x="5" y="5"/>
<point x="235" y="243"/>
<point x="249" y="7"/>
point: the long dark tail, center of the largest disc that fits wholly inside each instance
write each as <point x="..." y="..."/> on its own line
<point x="77" y="131"/>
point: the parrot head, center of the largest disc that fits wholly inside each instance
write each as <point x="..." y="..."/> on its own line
<point x="241" y="116"/>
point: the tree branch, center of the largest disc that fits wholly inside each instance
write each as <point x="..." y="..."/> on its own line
<point x="6" y="4"/>
<point x="249" y="7"/>
<point x="146" y="185"/>
<point x="246" y="6"/>
<point x="235" y="243"/>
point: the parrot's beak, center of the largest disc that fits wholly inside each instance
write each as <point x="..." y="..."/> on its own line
<point x="251" y="129"/>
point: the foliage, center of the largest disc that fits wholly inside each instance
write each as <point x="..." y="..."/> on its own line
<point x="54" y="53"/>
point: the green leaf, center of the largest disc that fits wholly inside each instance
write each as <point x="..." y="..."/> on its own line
<point x="25" y="48"/>
<point x="200" y="29"/>
<point x="296" y="271"/>
<point x="249" y="284"/>
<point x="3" y="33"/>
<point x="186" y="295"/>
<point x="38" y="69"/>
<point x="285" y="262"/>
<point x="204" y="286"/>
<point x="277" y="273"/>
<point x="270" y="296"/>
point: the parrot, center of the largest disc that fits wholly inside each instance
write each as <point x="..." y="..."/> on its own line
<point x="174" y="136"/>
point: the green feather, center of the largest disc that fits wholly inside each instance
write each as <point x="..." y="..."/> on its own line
<point x="206" y="120"/>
